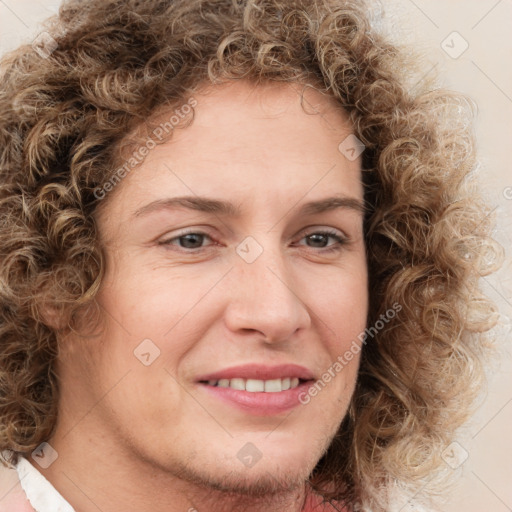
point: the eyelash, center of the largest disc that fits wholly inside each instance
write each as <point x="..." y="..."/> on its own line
<point x="340" y="240"/>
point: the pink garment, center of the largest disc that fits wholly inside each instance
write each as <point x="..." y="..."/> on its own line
<point x="314" y="504"/>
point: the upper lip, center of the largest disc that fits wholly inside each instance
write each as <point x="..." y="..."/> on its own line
<point x="260" y="372"/>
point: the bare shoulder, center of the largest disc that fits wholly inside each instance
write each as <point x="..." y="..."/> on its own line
<point x="12" y="496"/>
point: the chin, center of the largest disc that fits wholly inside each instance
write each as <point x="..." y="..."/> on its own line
<point x="283" y="467"/>
<point x="256" y="482"/>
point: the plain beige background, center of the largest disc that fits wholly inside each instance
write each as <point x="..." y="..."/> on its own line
<point x="469" y="42"/>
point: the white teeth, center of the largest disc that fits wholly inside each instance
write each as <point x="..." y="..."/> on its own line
<point x="272" y="386"/>
<point x="237" y="384"/>
<point x="256" y="385"/>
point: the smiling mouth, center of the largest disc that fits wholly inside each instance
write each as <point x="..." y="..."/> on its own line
<point x="257" y="385"/>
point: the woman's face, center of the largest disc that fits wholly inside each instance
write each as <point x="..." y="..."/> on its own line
<point x="235" y="257"/>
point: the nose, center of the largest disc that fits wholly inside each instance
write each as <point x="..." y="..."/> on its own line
<point x="264" y="299"/>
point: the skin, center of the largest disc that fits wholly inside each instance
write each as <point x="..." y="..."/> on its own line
<point x="148" y="438"/>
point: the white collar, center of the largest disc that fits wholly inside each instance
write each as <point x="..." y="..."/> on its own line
<point x="40" y="492"/>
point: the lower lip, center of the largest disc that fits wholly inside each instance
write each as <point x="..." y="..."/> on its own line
<point x="260" y="403"/>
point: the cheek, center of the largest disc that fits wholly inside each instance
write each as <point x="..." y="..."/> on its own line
<point x="343" y="309"/>
<point x="341" y="304"/>
<point x="157" y="321"/>
<point x="150" y="302"/>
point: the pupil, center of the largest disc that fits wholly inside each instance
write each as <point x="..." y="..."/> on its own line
<point x="318" y="240"/>
<point x="191" y="241"/>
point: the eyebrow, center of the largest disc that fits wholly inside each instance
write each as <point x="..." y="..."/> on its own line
<point x="226" y="208"/>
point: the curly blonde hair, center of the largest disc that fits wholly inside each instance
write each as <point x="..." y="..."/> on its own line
<point x="116" y="63"/>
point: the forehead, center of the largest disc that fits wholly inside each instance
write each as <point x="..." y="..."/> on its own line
<point x="257" y="119"/>
<point x="274" y="140"/>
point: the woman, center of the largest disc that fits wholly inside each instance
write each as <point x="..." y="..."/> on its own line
<point x="240" y="262"/>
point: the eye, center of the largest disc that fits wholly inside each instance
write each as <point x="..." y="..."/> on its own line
<point x="323" y="239"/>
<point x="190" y="240"/>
